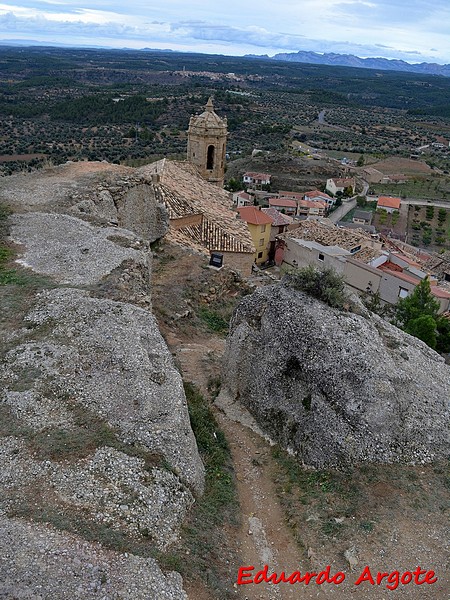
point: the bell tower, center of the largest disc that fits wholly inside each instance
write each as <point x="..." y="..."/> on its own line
<point x="207" y="139"/>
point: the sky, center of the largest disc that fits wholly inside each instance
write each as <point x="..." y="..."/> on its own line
<point x="411" y="30"/>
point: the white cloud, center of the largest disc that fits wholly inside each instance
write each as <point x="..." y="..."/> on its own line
<point x="364" y="27"/>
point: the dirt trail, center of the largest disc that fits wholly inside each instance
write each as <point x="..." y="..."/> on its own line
<point x="264" y="537"/>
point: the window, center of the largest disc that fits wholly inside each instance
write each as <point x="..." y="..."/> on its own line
<point x="263" y="228"/>
<point x="321" y="257"/>
<point x="402" y="292"/>
<point x="261" y="242"/>
<point x="260" y="254"/>
<point x="210" y="158"/>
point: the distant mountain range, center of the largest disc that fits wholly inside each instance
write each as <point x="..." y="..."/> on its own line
<point x="349" y="60"/>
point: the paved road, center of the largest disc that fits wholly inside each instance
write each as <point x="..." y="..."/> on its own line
<point x="416" y="201"/>
<point x="339" y="213"/>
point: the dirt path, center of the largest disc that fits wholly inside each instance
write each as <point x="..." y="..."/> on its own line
<point x="264" y="537"/>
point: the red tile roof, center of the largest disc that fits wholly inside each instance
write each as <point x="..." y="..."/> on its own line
<point x="388" y="202"/>
<point x="293" y="195"/>
<point x="251" y="214"/>
<point x="317" y="194"/>
<point x="282" y="202"/>
<point x="400" y="275"/>
<point x="254" y="175"/>
<point x="312" y="203"/>
<point x="344" y="182"/>
<point x="244" y="195"/>
<point x="439" y="292"/>
<point x="278" y="218"/>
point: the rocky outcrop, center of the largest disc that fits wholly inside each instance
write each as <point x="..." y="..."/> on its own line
<point x="49" y="564"/>
<point x="95" y="436"/>
<point x="336" y="387"/>
<point x="98" y="192"/>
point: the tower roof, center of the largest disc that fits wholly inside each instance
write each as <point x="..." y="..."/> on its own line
<point x="207" y="120"/>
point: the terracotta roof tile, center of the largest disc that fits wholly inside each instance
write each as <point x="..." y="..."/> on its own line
<point x="184" y="192"/>
<point x="282" y="202"/>
<point x="278" y="219"/>
<point x="330" y="235"/>
<point x="251" y="214"/>
<point x="388" y="202"/>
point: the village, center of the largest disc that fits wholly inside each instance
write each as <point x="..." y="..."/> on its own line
<point x="175" y="406"/>
<point x="361" y="236"/>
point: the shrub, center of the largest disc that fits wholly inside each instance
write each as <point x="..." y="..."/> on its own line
<point x="325" y="285"/>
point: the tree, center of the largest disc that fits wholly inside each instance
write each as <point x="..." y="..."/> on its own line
<point x="360" y="161"/>
<point x="361" y="201"/>
<point x="418" y="315"/>
<point x="424" y="328"/>
<point x="348" y="191"/>
<point x="324" y="284"/>
<point x="421" y="302"/>
<point x="233" y="185"/>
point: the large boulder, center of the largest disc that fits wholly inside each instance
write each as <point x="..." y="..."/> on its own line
<point x="336" y="387"/>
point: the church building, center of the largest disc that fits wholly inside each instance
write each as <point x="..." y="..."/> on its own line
<point x="207" y="137"/>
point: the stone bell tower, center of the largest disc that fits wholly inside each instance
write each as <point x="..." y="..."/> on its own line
<point x="207" y="138"/>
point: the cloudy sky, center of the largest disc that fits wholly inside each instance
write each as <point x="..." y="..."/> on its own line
<point x="413" y="30"/>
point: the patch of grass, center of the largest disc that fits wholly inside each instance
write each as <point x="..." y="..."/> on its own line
<point x="331" y="528"/>
<point x="213" y="320"/>
<point x="367" y="526"/>
<point x="26" y="376"/>
<point x="89" y="433"/>
<point x="218" y="508"/>
<point x="345" y="506"/>
<point x="307" y="402"/>
<point x="10" y="425"/>
<point x="18" y="286"/>
<point x="214" y="385"/>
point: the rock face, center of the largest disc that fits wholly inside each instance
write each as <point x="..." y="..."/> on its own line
<point x="94" y="428"/>
<point x="336" y="387"/>
<point x="42" y="559"/>
<point x="97" y="192"/>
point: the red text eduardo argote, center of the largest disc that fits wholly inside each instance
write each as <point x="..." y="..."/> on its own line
<point x="391" y="580"/>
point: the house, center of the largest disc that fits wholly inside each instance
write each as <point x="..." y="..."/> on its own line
<point x="362" y="217"/>
<point x="309" y="208"/>
<point x="289" y="207"/>
<point x="317" y="195"/>
<point x="242" y="199"/>
<point x="360" y="258"/>
<point x="334" y="186"/>
<point x="442" y="140"/>
<point x="401" y="275"/>
<point x="388" y="203"/>
<point x="280" y="223"/>
<point x="290" y="195"/>
<point x="315" y="243"/>
<point x="372" y="175"/>
<point x="256" y="180"/>
<point x="259" y="225"/>
<point x="200" y="213"/>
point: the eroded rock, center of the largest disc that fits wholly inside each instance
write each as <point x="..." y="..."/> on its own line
<point x="336" y="387"/>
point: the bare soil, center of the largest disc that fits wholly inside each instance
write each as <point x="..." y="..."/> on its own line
<point x="406" y="166"/>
